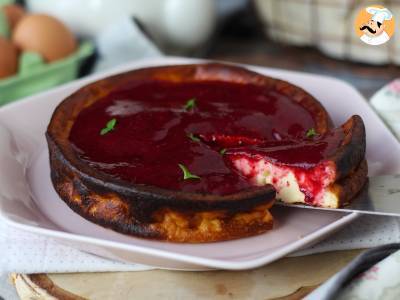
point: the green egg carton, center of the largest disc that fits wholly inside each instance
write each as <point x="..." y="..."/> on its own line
<point x="34" y="75"/>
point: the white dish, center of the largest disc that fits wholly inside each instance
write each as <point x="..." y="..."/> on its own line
<point x="28" y="201"/>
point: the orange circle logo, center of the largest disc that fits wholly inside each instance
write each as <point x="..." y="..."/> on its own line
<point x="374" y="25"/>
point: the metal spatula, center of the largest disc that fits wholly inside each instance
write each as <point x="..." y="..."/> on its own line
<point x="381" y="196"/>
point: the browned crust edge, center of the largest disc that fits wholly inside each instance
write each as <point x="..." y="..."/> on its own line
<point x="351" y="152"/>
<point x="347" y="188"/>
<point x="169" y="222"/>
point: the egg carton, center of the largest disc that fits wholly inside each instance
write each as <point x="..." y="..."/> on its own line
<point x="35" y="75"/>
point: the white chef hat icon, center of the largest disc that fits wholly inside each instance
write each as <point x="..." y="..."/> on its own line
<point x="379" y="14"/>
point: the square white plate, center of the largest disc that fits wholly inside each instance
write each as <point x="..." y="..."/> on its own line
<point x="28" y="201"/>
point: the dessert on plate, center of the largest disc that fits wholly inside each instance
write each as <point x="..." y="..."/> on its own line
<point x="199" y="153"/>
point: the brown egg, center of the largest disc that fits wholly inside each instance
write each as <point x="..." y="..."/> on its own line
<point x="14" y="13"/>
<point x="8" y="58"/>
<point x="45" y="35"/>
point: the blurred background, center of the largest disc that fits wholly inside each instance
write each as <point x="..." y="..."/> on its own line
<point x="44" y="43"/>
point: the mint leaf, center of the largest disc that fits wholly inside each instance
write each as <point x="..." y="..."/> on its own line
<point x="187" y="174"/>
<point x="190" y="104"/>
<point x="311" y="133"/>
<point x="193" y="137"/>
<point x="109" y="126"/>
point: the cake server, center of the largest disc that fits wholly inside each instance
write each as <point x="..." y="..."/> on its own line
<point x="381" y="196"/>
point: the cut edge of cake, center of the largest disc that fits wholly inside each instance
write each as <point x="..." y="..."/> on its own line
<point x="331" y="183"/>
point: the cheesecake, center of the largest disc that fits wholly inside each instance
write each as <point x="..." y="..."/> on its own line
<point x="198" y="153"/>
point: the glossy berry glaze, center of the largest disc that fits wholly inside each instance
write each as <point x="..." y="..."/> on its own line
<point x="151" y="134"/>
<point x="304" y="153"/>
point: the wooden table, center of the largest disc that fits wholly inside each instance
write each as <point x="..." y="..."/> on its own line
<point x="288" y="278"/>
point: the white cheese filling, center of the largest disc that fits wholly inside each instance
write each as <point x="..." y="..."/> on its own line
<point x="284" y="180"/>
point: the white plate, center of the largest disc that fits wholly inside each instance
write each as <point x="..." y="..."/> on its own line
<point x="28" y="201"/>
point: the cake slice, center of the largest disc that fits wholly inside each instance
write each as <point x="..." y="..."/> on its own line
<point x="327" y="170"/>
